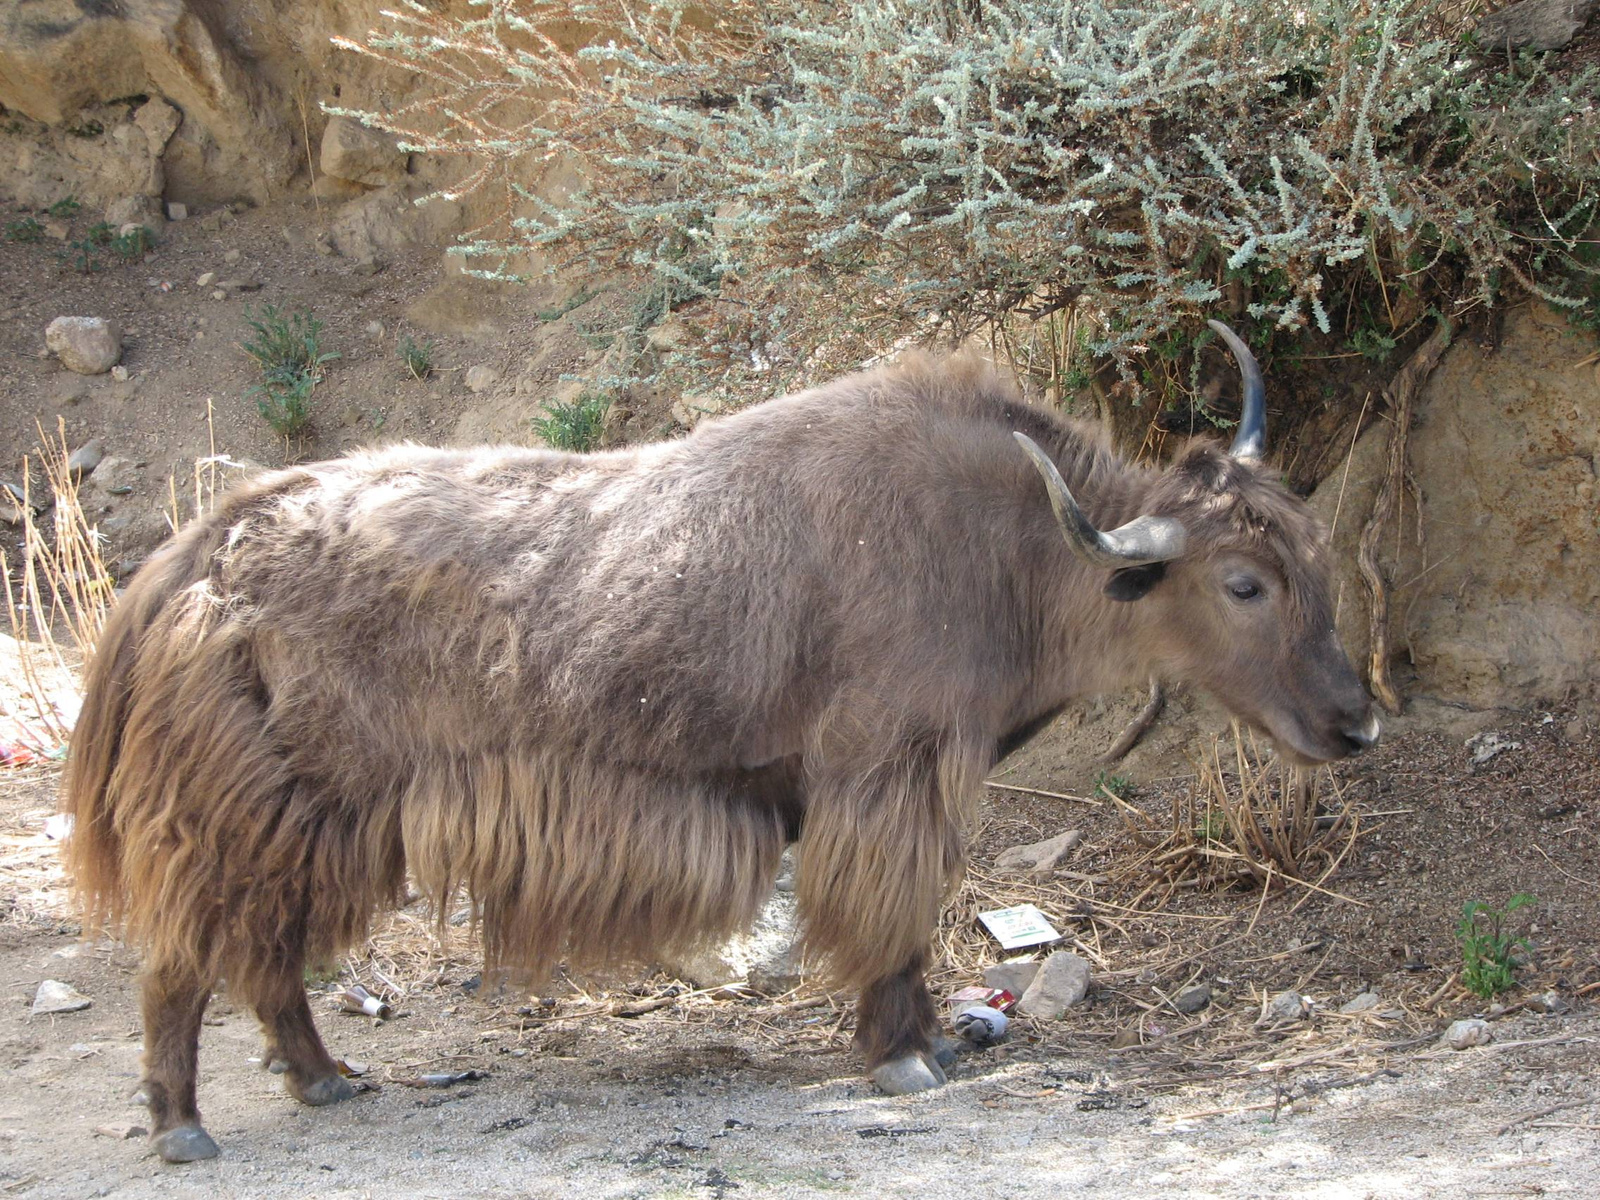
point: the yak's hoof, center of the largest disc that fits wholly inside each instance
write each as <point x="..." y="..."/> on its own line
<point x="944" y="1051"/>
<point x="913" y="1073"/>
<point x="330" y="1089"/>
<point x="186" y="1143"/>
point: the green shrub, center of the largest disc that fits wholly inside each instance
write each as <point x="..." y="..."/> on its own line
<point x="573" y="425"/>
<point x="288" y="350"/>
<point x="417" y="358"/>
<point x="25" y="230"/>
<point x="136" y="243"/>
<point x="812" y="183"/>
<point x="1486" y="948"/>
<point x="65" y="210"/>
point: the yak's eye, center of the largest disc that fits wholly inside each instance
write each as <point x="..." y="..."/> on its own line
<point x="1244" y="589"/>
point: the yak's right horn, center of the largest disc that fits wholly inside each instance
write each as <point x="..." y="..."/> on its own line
<point x="1142" y="540"/>
<point x="1250" y="442"/>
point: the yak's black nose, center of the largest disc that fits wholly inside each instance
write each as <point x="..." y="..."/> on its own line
<point x="1363" y="736"/>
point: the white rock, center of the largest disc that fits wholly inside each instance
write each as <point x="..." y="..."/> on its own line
<point x="87" y="345"/>
<point x="206" y="279"/>
<point x="1040" y="856"/>
<point x="176" y="211"/>
<point x="482" y="377"/>
<point x="86" y="458"/>
<point x="1365" y="1002"/>
<point x="54" y="996"/>
<point x="1014" y="977"/>
<point x="1473" y="1031"/>
<point x="1062" y="981"/>
<point x="232" y="256"/>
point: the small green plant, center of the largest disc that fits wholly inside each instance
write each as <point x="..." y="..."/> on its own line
<point x="82" y="255"/>
<point x="1486" y="946"/>
<point x="1119" y="786"/>
<point x="1372" y="345"/>
<point x="288" y="349"/>
<point x="134" y="244"/>
<point x="25" y="230"/>
<point x="101" y="233"/>
<point x="573" y="425"/>
<point x="65" y="210"/>
<point x="417" y="358"/>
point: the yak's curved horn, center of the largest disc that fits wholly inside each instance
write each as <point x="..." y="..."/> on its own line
<point x="1142" y="540"/>
<point x="1250" y="442"/>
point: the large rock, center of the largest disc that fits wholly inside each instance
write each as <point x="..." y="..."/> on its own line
<point x="59" y="58"/>
<point x="1493" y="605"/>
<point x="1535" y="24"/>
<point x="87" y="345"/>
<point x="352" y="152"/>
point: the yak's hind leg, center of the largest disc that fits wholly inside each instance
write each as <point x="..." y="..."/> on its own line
<point x="294" y="1048"/>
<point x="879" y="851"/>
<point x="173" y="1000"/>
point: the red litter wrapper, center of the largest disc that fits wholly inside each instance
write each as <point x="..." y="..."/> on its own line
<point x="997" y="998"/>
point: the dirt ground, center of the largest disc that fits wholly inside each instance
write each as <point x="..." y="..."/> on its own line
<point x="641" y="1087"/>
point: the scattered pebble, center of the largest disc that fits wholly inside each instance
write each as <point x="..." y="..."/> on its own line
<point x="176" y="211"/>
<point x="206" y="280"/>
<point x="1192" y="1000"/>
<point x="85" y="458"/>
<point x="54" y="996"/>
<point x="122" y="1131"/>
<point x="232" y="256"/>
<point x="1552" y="1003"/>
<point x="1474" y="1031"/>
<point x="1062" y="981"/>
<point x="219" y="294"/>
<point x="119" y="373"/>
<point x="1364" y="1003"/>
<point x="482" y="377"/>
<point x="1282" y="1008"/>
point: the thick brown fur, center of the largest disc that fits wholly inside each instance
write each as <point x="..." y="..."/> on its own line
<point x="600" y="693"/>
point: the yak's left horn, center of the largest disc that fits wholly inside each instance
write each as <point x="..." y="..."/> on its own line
<point x="1142" y="540"/>
<point x="1250" y="442"/>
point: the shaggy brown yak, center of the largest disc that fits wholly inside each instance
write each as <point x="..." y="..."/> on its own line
<point x="600" y="693"/>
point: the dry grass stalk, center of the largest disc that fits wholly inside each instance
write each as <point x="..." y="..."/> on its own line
<point x="61" y="588"/>
<point x="1261" y="823"/>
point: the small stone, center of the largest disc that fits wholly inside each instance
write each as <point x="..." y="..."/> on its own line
<point x="689" y="411"/>
<point x="206" y="280"/>
<point x="219" y="294"/>
<point x="375" y="329"/>
<point x="1282" y="1008"/>
<point x="59" y="230"/>
<point x="239" y="285"/>
<point x="134" y="210"/>
<point x="367" y="265"/>
<point x="87" y="345"/>
<point x="482" y="377"/>
<point x="122" y="1131"/>
<point x="1062" y="981"/>
<point x="1364" y="1003"/>
<point x="86" y="458"/>
<point x="1474" y="1031"/>
<point x="1552" y="1003"/>
<point x="54" y="996"/>
<point x="1192" y="1000"/>
<point x="232" y="256"/>
<point x="1014" y="977"/>
<point x="176" y="211"/>
<point x="119" y="373"/>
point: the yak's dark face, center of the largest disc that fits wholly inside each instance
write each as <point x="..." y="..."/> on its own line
<point x="1245" y="612"/>
<point x="1230" y="575"/>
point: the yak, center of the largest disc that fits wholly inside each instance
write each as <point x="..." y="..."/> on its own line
<point x="599" y="694"/>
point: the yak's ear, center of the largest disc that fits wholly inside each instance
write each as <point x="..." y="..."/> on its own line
<point x="1131" y="583"/>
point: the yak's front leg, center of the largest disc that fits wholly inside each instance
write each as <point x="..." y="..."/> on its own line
<point x="897" y="1031"/>
<point x="879" y="850"/>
